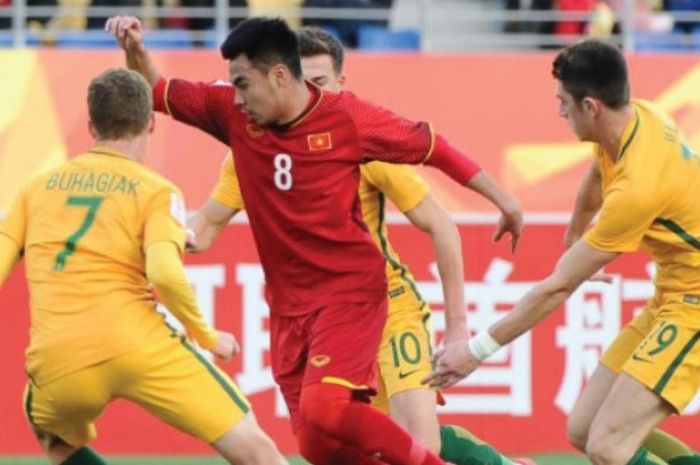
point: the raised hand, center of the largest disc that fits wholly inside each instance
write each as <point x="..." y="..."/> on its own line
<point x="127" y="30"/>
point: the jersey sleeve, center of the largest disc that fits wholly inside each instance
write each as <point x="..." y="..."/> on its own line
<point x="207" y="106"/>
<point x="387" y="136"/>
<point x="625" y="217"/>
<point x="401" y="183"/>
<point x="14" y="224"/>
<point x="227" y="190"/>
<point x="165" y="219"/>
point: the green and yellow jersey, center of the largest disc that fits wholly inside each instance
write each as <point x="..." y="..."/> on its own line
<point x="650" y="199"/>
<point x="83" y="229"/>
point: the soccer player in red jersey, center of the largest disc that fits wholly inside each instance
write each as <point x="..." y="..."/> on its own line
<point x="297" y="152"/>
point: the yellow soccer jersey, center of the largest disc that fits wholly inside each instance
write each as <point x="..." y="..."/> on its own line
<point x="378" y="180"/>
<point x="227" y="190"/>
<point x="406" y="189"/>
<point x="650" y="199"/>
<point x="84" y="228"/>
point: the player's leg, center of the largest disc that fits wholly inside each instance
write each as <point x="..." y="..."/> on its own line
<point x="247" y="443"/>
<point x="337" y="411"/>
<point x="587" y="405"/>
<point x="604" y="376"/>
<point x="670" y="449"/>
<point x="415" y="411"/>
<point x="177" y="384"/>
<point x="321" y="449"/>
<point x="627" y="416"/>
<point x="62" y="414"/>
<point x="403" y="360"/>
<point x="342" y="369"/>
<point x="289" y="343"/>
<point x="660" y="378"/>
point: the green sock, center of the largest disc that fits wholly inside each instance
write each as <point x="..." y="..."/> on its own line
<point x="84" y="456"/>
<point x="644" y="457"/>
<point x="461" y="447"/>
<point x="670" y="448"/>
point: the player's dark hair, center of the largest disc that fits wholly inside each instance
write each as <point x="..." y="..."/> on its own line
<point x="314" y="41"/>
<point x="593" y="68"/>
<point x="119" y="104"/>
<point x="266" y="42"/>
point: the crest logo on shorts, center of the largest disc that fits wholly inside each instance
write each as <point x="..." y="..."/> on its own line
<point x="320" y="360"/>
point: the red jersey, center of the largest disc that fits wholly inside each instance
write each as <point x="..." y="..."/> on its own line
<point x="300" y="186"/>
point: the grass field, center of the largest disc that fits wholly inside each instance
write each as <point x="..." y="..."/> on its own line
<point x="157" y="460"/>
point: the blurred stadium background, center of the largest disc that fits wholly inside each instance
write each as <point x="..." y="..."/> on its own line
<point x="477" y="69"/>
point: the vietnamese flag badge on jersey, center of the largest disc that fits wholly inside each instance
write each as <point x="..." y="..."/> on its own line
<point x="320" y="141"/>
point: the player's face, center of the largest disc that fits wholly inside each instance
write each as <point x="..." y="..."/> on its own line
<point x="574" y="113"/>
<point x="256" y="92"/>
<point x="319" y="70"/>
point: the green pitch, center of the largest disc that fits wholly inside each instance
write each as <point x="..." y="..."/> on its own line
<point x="156" y="460"/>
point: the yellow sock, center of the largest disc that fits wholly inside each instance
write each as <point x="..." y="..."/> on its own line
<point x="667" y="447"/>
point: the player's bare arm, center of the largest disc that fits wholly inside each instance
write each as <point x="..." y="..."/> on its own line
<point x="129" y="33"/>
<point x="429" y="216"/>
<point x="576" y="265"/>
<point x="209" y="221"/>
<point x="511" y="220"/>
<point x="9" y="256"/>
<point x="588" y="202"/>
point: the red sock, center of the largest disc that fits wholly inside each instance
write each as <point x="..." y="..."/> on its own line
<point x="331" y="409"/>
<point x="320" y="449"/>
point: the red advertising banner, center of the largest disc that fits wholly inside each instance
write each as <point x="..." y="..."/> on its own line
<point x="518" y="401"/>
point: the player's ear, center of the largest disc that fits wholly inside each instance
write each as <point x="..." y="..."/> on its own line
<point x="280" y="75"/>
<point x="152" y="123"/>
<point x="341" y="80"/>
<point x="91" y="129"/>
<point x="591" y="106"/>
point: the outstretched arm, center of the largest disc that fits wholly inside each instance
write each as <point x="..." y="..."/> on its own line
<point x="466" y="172"/>
<point x="208" y="223"/>
<point x="588" y="201"/>
<point x="576" y="265"/>
<point x="129" y="33"/>
<point x="165" y="271"/>
<point x="429" y="216"/>
<point x="511" y="220"/>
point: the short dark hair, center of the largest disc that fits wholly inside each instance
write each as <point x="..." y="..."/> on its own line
<point x="596" y="69"/>
<point x="315" y="41"/>
<point x="265" y="42"/>
<point x="119" y="104"/>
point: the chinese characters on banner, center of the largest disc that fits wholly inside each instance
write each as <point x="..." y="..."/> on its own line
<point x="518" y="400"/>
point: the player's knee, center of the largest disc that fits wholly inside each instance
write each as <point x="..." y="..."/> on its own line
<point x="602" y="450"/>
<point x="314" y="446"/>
<point x="577" y="434"/>
<point x="247" y="444"/>
<point x="321" y="406"/>
<point x="308" y="447"/>
<point x="428" y="439"/>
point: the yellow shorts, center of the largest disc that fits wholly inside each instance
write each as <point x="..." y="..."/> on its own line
<point x="168" y="378"/>
<point x="660" y="349"/>
<point x="404" y="354"/>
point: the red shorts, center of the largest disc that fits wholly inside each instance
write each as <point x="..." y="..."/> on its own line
<point x="337" y="344"/>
